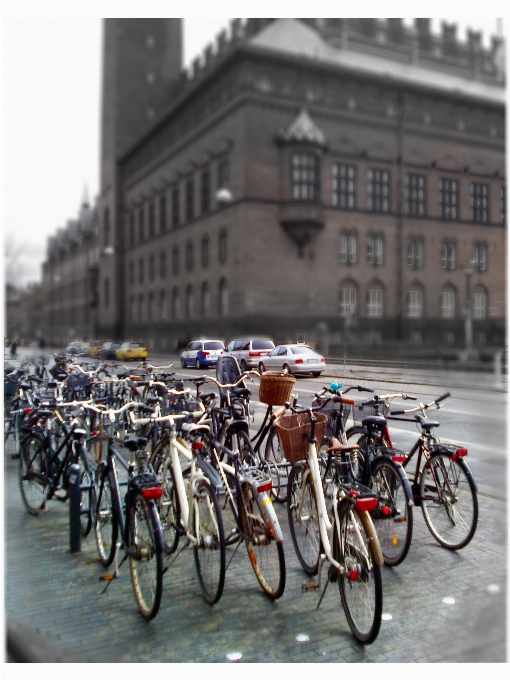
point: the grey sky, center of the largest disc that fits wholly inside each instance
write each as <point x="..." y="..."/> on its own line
<point x="51" y="69"/>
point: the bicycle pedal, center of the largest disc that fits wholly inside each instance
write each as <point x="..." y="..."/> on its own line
<point x="108" y="577"/>
<point x="306" y="587"/>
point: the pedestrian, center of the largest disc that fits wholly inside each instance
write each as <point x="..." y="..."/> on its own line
<point x="14" y="346"/>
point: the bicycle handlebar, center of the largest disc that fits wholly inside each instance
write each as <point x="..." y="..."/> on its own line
<point x="423" y="407"/>
<point x="232" y="385"/>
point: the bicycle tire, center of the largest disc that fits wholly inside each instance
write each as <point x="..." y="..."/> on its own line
<point x="442" y="505"/>
<point x="240" y="441"/>
<point x="266" y="554"/>
<point x="393" y="518"/>
<point x="358" y="435"/>
<point x="304" y="529"/>
<point x="105" y="523"/>
<point x="168" y="507"/>
<point x="209" y="550"/>
<point x="31" y="475"/>
<point x="146" y="556"/>
<point x="361" y="587"/>
<point x="274" y="453"/>
<point x="88" y="495"/>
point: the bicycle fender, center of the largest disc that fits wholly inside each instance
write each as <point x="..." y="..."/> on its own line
<point x="372" y="537"/>
<point x="268" y="508"/>
<point x="237" y="426"/>
<point x="211" y="473"/>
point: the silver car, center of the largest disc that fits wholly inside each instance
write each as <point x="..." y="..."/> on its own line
<point x="297" y="359"/>
<point x="249" y="351"/>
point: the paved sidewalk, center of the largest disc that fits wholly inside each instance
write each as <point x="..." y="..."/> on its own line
<point x="55" y="599"/>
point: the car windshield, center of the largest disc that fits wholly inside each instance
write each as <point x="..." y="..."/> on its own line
<point x="262" y="344"/>
<point x="213" y="345"/>
<point x="136" y="344"/>
<point x="302" y="350"/>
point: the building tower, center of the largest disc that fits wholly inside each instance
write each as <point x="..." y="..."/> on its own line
<point x="142" y="61"/>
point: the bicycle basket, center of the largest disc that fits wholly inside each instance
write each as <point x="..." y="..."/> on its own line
<point x="293" y="430"/>
<point x="174" y="405"/>
<point x="359" y="411"/>
<point x="77" y="387"/>
<point x="332" y="410"/>
<point x="275" y="388"/>
<point x="10" y="387"/>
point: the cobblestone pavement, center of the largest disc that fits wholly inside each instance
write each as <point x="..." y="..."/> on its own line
<point x="54" y="599"/>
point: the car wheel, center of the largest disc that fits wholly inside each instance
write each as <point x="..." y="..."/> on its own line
<point x="244" y="367"/>
<point x="183" y="363"/>
<point x="316" y="374"/>
<point x="262" y="368"/>
<point x="286" y="367"/>
<point x="197" y="364"/>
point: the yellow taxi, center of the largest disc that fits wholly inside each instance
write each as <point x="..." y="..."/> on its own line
<point x="130" y="351"/>
<point x="95" y="346"/>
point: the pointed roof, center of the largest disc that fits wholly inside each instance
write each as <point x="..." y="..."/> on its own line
<point x="303" y="129"/>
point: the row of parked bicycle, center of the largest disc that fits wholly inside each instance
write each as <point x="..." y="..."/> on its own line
<point x="162" y="465"/>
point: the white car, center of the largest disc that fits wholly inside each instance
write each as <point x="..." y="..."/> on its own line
<point x="202" y="353"/>
<point x="296" y="358"/>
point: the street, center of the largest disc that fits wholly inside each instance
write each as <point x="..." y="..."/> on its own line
<point x="55" y="599"/>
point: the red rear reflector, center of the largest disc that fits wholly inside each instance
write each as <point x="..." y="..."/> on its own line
<point x="153" y="493"/>
<point x="385" y="510"/>
<point x="354" y="493"/>
<point x="29" y="410"/>
<point x="399" y="459"/>
<point x="366" y="504"/>
<point x="197" y="446"/>
<point x="266" y="486"/>
<point x="299" y="361"/>
<point x="461" y="453"/>
<point x="94" y="433"/>
<point x="353" y="574"/>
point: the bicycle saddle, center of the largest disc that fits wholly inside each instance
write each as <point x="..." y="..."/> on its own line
<point x="134" y="443"/>
<point x="153" y="400"/>
<point x="374" y="422"/>
<point x="240" y="392"/>
<point x="336" y="445"/>
<point x="425" y="422"/>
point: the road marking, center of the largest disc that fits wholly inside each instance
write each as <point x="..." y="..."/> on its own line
<point x="444" y="440"/>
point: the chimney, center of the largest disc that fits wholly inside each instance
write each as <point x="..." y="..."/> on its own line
<point x="423" y="31"/>
<point x="449" y="39"/>
<point x="395" y="30"/>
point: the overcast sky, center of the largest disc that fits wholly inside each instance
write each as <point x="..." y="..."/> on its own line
<point x="51" y="68"/>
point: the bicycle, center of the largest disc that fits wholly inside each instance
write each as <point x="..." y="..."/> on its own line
<point x="135" y="521"/>
<point x="349" y="541"/>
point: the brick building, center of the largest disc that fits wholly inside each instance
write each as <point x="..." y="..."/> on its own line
<point x="366" y="164"/>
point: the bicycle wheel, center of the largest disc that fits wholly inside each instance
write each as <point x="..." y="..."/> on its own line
<point x="88" y="493"/>
<point x="168" y="507"/>
<point x="304" y="518"/>
<point x="266" y="555"/>
<point x="105" y="523"/>
<point x="393" y="518"/>
<point x="207" y="526"/>
<point x="31" y="475"/>
<point x="240" y="441"/>
<point x="448" y="500"/>
<point x="358" y="435"/>
<point x="146" y="558"/>
<point x="274" y="453"/>
<point x="361" y="585"/>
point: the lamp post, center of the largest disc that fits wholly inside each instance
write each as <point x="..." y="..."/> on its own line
<point x="469" y="270"/>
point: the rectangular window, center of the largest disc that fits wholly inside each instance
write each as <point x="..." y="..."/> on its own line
<point x="348" y="248"/>
<point x="151" y="268"/>
<point x="132" y="229"/>
<point x="140" y="270"/>
<point x="379" y="190"/>
<point x="189" y="256"/>
<point x="224" y="174"/>
<point x="415" y="254"/>
<point x="374" y="302"/>
<point x="141" y="225"/>
<point x="448" y="199"/>
<point x="190" y="198"/>
<point x="175" y="208"/>
<point x="305" y="177"/>
<point x="175" y="260"/>
<point x="415" y="194"/>
<point x="374" y="250"/>
<point x="205" y="251"/>
<point x="162" y="214"/>
<point x="223" y="247"/>
<point x="205" y="194"/>
<point x="162" y="265"/>
<point x="480" y="257"/>
<point x="502" y="205"/>
<point x="479" y="202"/>
<point x="152" y="219"/>
<point x="448" y="256"/>
<point x="344" y="186"/>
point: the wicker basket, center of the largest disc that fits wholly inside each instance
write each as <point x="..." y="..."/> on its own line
<point x="275" y="388"/>
<point x="293" y="430"/>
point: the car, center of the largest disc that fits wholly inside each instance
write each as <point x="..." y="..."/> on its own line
<point x="108" y="350"/>
<point x="71" y="349"/>
<point x="296" y="358"/>
<point x="202" y="353"/>
<point x="249" y="351"/>
<point x="95" y="346"/>
<point x="130" y="351"/>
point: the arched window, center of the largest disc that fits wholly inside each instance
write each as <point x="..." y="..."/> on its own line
<point x="132" y="308"/>
<point x="189" y="256"/>
<point x="141" y="309"/>
<point x="223" y="246"/>
<point x="189" y="302"/>
<point x="348" y="247"/>
<point x="205" y="251"/>
<point x="375" y="299"/>
<point x="223" y="297"/>
<point x="204" y="300"/>
<point x="162" y="264"/>
<point x="107" y="292"/>
<point x="448" y="255"/>
<point x="175" y="303"/>
<point x="375" y="250"/>
<point x="348" y="298"/>
<point x="448" y="300"/>
<point x="415" y="253"/>
<point x="480" y="255"/>
<point x="305" y="177"/>
<point x="162" y="305"/>
<point x="152" y="307"/>
<point x="479" y="303"/>
<point x="151" y="268"/>
<point x="415" y="301"/>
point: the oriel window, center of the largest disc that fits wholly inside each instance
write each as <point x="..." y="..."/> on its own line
<point x="305" y="177"/>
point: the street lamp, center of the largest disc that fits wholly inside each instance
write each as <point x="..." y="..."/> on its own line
<point x="223" y="196"/>
<point x="469" y="270"/>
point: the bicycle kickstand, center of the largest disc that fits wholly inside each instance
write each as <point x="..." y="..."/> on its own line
<point x="311" y="585"/>
<point x="111" y="577"/>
